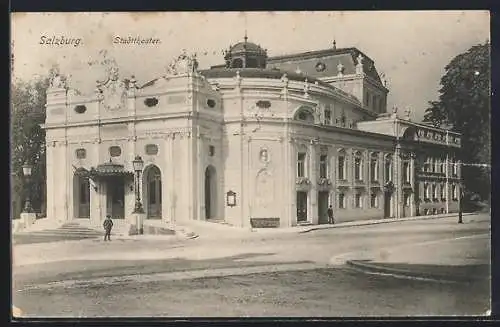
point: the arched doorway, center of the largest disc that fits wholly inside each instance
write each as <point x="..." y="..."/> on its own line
<point x="210" y="193"/>
<point x="81" y="195"/>
<point x="152" y="192"/>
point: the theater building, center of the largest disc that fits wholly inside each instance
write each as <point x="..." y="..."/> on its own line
<point x="256" y="141"/>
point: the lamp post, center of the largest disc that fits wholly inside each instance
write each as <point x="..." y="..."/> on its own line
<point x="27" y="168"/>
<point x="138" y="166"/>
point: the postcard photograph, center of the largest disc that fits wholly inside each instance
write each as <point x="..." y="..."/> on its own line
<point x="250" y="164"/>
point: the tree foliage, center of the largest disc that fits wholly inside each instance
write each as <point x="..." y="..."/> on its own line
<point x="28" y="139"/>
<point x="464" y="103"/>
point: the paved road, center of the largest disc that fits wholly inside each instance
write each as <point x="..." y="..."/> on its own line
<point x="317" y="291"/>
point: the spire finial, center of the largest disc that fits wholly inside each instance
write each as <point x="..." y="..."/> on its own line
<point x="246" y="37"/>
<point x="334" y="45"/>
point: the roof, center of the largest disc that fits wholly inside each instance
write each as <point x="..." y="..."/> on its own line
<point x="307" y="62"/>
<point x="245" y="47"/>
<point x="102" y="170"/>
<point x="268" y="73"/>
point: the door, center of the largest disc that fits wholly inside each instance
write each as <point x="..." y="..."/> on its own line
<point x="322" y="207"/>
<point x="84" y="198"/>
<point x="116" y="197"/>
<point x="301" y="206"/>
<point x="154" y="196"/>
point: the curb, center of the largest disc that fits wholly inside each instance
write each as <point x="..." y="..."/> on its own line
<point x="376" y="222"/>
<point x="368" y="267"/>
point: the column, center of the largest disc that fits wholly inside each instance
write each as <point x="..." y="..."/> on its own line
<point x="413" y="210"/>
<point x="397" y="181"/>
<point x="313" y="191"/>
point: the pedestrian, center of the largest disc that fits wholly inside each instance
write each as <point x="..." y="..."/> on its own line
<point x="108" y="225"/>
<point x="330" y="215"/>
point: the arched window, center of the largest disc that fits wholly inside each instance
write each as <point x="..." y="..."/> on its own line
<point x="237" y="63"/>
<point x="358" y="166"/>
<point x="341" y="165"/>
<point x="305" y="114"/>
<point x="374" y="167"/>
<point x="388" y="168"/>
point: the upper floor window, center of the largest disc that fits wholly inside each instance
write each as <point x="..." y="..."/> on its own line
<point x="301" y="164"/>
<point x="328" y="117"/>
<point x="211" y="150"/>
<point x="406" y="172"/>
<point x="323" y="166"/>
<point x="374" y="167"/>
<point x="454" y="192"/>
<point x="388" y="168"/>
<point x="358" y="166"/>
<point x="115" y="151"/>
<point x="427" y="192"/>
<point x="341" y="168"/>
<point x="437" y="165"/>
<point x="305" y="114"/>
<point x="454" y="169"/>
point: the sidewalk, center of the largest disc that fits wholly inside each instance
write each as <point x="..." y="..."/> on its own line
<point x="463" y="259"/>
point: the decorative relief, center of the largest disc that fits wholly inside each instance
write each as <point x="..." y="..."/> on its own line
<point x="264" y="156"/>
<point x="81" y="153"/>
<point x="183" y="64"/>
<point x="324" y="181"/>
<point x="151" y="149"/>
<point x="263" y="104"/>
<point x="302" y="181"/>
<point x="113" y="90"/>
<point x="57" y="81"/>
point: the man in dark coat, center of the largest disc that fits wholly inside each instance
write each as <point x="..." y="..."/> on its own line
<point x="108" y="225"/>
<point x="330" y="215"/>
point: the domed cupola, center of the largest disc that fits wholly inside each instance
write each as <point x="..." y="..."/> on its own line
<point x="245" y="55"/>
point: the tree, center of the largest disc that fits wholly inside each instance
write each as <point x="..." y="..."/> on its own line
<point x="464" y="103"/>
<point x="28" y="140"/>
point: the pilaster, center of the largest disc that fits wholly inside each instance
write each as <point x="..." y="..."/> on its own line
<point x="398" y="181"/>
<point x="313" y="192"/>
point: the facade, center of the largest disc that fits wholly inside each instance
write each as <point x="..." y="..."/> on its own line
<point x="288" y="136"/>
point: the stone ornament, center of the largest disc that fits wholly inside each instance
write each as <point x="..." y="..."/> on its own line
<point x="113" y="91"/>
<point x="264" y="156"/>
<point x="183" y="64"/>
<point x="57" y="81"/>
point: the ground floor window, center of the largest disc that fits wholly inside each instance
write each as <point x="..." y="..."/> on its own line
<point x="358" y="200"/>
<point x="374" y="200"/>
<point x="341" y="201"/>
<point x="407" y="199"/>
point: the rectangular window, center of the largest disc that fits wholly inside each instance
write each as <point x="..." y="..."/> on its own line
<point x="373" y="200"/>
<point x="442" y="191"/>
<point x="374" y="170"/>
<point x="323" y="166"/>
<point x="434" y="192"/>
<point x="454" y="169"/>
<point x="328" y="117"/>
<point x="406" y="172"/>
<point x="427" y="194"/>
<point x="407" y="198"/>
<point x="454" y="191"/>
<point x="341" y="201"/>
<point x="388" y="171"/>
<point x="357" y="200"/>
<point x="341" y="167"/>
<point x="301" y="161"/>
<point x="358" y="169"/>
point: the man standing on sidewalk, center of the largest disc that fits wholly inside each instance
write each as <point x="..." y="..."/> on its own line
<point x="330" y="215"/>
<point x="108" y="225"/>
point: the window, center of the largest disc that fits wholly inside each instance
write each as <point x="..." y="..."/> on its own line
<point x="442" y="192"/>
<point x="426" y="212"/>
<point x="323" y="166"/>
<point x="427" y="194"/>
<point x="151" y="149"/>
<point x="305" y="114"/>
<point x="374" y="167"/>
<point x="442" y="210"/>
<point x="388" y="168"/>
<point x="367" y="96"/>
<point x="406" y="172"/>
<point x="328" y="117"/>
<point x="427" y="164"/>
<point x="454" y="169"/>
<point x="358" y="167"/>
<point x="434" y="192"/>
<point x="431" y="165"/>
<point x="151" y="102"/>
<point x="373" y="200"/>
<point x="341" y="201"/>
<point x="301" y="161"/>
<point x="437" y="165"/>
<point x="81" y="153"/>
<point x="211" y="103"/>
<point x="442" y="168"/>
<point x="357" y="200"/>
<point x="454" y="192"/>
<point x="341" y="166"/>
<point x="211" y="150"/>
<point x="407" y="199"/>
<point x="115" y="151"/>
<point x="80" y="109"/>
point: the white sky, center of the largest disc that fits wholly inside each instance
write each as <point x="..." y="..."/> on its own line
<point x="410" y="47"/>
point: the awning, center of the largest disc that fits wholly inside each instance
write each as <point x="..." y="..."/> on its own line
<point x="109" y="169"/>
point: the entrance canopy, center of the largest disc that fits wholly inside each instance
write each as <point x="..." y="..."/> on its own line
<point x="108" y="169"/>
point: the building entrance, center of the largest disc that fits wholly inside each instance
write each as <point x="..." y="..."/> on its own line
<point x="323" y="207"/>
<point x="301" y="206"/>
<point x="115" y="197"/>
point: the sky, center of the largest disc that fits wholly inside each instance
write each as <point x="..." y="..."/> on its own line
<point x="410" y="47"/>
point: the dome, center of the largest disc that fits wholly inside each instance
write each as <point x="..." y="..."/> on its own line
<point x="245" y="55"/>
<point x="246" y="47"/>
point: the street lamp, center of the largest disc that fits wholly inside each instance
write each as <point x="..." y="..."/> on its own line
<point x="138" y="165"/>
<point x="27" y="168"/>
